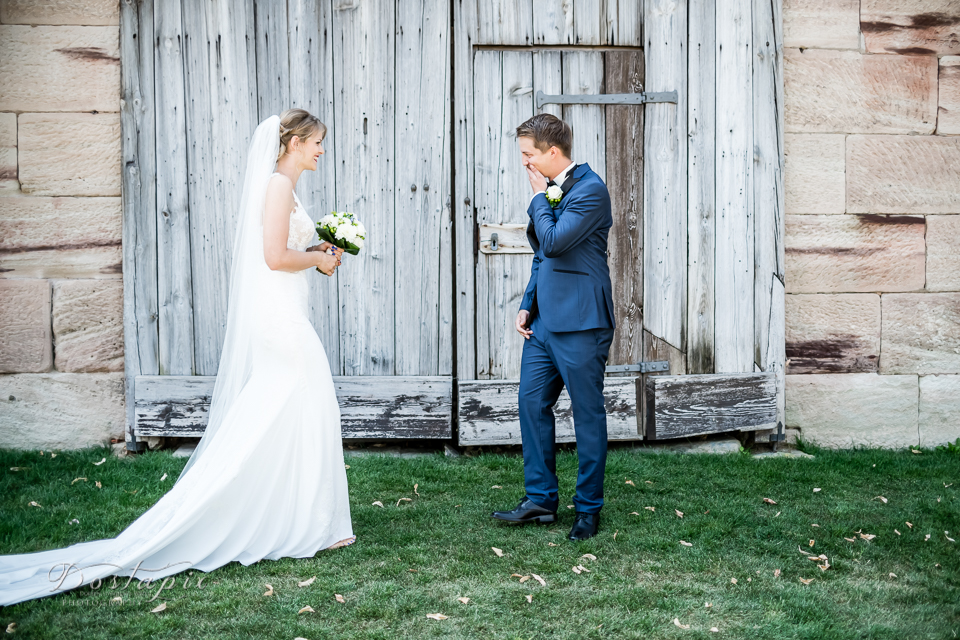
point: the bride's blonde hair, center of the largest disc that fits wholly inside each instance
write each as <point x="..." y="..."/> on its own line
<point x="300" y="123"/>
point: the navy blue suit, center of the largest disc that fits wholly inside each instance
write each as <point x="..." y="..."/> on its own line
<point x="570" y="301"/>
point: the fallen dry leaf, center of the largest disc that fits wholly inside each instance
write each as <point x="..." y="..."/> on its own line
<point x="676" y="621"/>
<point x="377" y="503"/>
<point x="630" y="482"/>
<point x="679" y="513"/>
<point x="926" y="537"/>
<point x="915" y="451"/>
<point x="569" y="506"/>
<point x="686" y="544"/>
<point x="529" y="598"/>
<point x="776" y="573"/>
<point x="733" y="581"/>
<point x="909" y="524"/>
<point x="74" y="521"/>
<point x="307" y="583"/>
<point x="650" y="509"/>
<point x="34" y="504"/>
<point x="464" y="600"/>
<point x="648" y="481"/>
<point x="97" y="464"/>
<point x="524" y="579"/>
<point x="76" y="479"/>
<point x="339" y="598"/>
<point x="53" y="455"/>
<point x="812" y="542"/>
<point x="589" y="556"/>
<point x="118" y="600"/>
<point x="769" y="501"/>
<point x="499" y="552"/>
<point x="16" y="469"/>
<point x="707" y="605"/>
<point x="634" y="513"/>
<point x="542" y="582"/>
<point x="615" y="534"/>
<point x="714" y="629"/>
<point x="100" y="486"/>
<point x="160" y="607"/>
<point x="403" y="500"/>
<point x="948" y="537"/>
<point x="346" y="466"/>
<point x="824" y="566"/>
<point x="415" y="492"/>
<point x="945" y="485"/>
<point x="867" y="536"/>
<point x="496" y="486"/>
<point x="850" y="539"/>
<point x="881" y="499"/>
<point x="816" y="489"/>
<point x="804" y="581"/>
<point x="12" y="627"/>
<point x="815" y="525"/>
<point x="269" y="591"/>
<point x="436" y="616"/>
<point x="893" y="575"/>
<point x="306" y="609"/>
<point x="163" y="477"/>
<point x="777" y="514"/>
<point x="554" y="544"/>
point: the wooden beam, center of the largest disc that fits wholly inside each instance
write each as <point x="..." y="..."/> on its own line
<point x="414" y="407"/>
<point x="680" y="406"/>
<point x="488" y="412"/>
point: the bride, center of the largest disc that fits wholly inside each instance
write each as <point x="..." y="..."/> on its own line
<point x="267" y="479"/>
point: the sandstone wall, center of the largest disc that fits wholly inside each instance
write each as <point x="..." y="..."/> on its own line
<point x="872" y="115"/>
<point x="61" y="312"/>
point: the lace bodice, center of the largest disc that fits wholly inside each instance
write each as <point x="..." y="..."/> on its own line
<point x="302" y="229"/>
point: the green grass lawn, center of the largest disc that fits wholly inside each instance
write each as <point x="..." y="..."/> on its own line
<point x="419" y="557"/>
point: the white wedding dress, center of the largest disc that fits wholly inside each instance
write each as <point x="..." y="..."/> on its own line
<point x="267" y="480"/>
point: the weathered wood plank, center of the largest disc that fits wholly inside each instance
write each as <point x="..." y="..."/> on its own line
<point x="553" y="23"/>
<point x="679" y="406"/>
<point x="220" y="74"/>
<point x="665" y="177"/>
<point x="504" y="22"/>
<point x="137" y="116"/>
<point x="548" y="77"/>
<point x="623" y="73"/>
<point x="589" y="22"/>
<point x="464" y="37"/>
<point x="422" y="190"/>
<point x="174" y="274"/>
<point x="488" y="412"/>
<point x="503" y="99"/>
<point x="625" y="23"/>
<point x="701" y="186"/>
<point x="273" y="58"/>
<point x="511" y="238"/>
<point x="734" y="298"/>
<point x="364" y="79"/>
<point x="370" y="406"/>
<point x="583" y="74"/>
<point x="311" y="87"/>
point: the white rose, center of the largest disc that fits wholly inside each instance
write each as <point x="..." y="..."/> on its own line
<point x="349" y="233"/>
<point x="327" y="221"/>
<point x="358" y="242"/>
<point x="341" y="233"/>
<point x="554" y="192"/>
<point x="361" y="230"/>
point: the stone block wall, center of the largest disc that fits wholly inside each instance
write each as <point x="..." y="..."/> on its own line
<point x="872" y="116"/>
<point x="61" y="292"/>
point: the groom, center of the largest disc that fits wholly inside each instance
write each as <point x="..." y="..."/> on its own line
<point x="566" y="317"/>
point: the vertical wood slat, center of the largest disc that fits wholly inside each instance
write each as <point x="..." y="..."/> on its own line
<point x="464" y="37"/>
<point x="311" y="87"/>
<point x="583" y="74"/>
<point x="587" y="22"/>
<point x="504" y="22"/>
<point x="548" y="77"/>
<point x="174" y="274"/>
<point x="140" y="336"/>
<point x="503" y="98"/>
<point x="553" y="22"/>
<point x="364" y="117"/>
<point x="422" y="191"/>
<point x="623" y="72"/>
<point x="769" y="338"/>
<point x="665" y="167"/>
<point x="626" y="23"/>
<point x="221" y="116"/>
<point x="701" y="186"/>
<point x="734" y="296"/>
<point x="272" y="56"/>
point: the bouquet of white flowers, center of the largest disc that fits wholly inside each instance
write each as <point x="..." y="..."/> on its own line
<point x="342" y="230"/>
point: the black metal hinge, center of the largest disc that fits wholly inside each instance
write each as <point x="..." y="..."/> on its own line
<point x="607" y="98"/>
<point x="640" y="367"/>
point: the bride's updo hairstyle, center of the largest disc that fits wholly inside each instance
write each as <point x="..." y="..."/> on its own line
<point x="300" y="123"/>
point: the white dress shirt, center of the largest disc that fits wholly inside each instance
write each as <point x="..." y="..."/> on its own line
<point x="559" y="179"/>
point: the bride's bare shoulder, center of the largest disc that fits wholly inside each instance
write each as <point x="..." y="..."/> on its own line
<point x="280" y="189"/>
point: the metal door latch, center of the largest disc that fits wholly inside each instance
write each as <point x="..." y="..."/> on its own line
<point x="640" y="367"/>
<point x="494" y="242"/>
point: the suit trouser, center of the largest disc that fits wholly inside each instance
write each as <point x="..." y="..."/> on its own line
<point x="577" y="360"/>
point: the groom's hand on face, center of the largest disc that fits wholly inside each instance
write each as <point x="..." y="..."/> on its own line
<point x="523" y="318"/>
<point x="537" y="181"/>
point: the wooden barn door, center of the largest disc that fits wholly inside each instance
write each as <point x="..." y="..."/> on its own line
<point x="198" y="77"/>
<point x="609" y="139"/>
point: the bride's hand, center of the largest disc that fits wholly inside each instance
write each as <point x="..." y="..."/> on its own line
<point x="323" y="246"/>
<point x="328" y="261"/>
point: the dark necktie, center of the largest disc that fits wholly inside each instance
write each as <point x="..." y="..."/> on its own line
<point x="551" y="183"/>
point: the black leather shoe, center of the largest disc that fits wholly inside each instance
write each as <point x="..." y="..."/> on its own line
<point x="585" y="526"/>
<point x="526" y="511"/>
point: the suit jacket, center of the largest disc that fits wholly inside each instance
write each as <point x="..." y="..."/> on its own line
<point x="570" y="282"/>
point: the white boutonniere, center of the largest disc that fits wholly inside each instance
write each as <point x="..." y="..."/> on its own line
<point x="554" y="194"/>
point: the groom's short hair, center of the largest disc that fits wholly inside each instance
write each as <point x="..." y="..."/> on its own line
<point x="548" y="131"/>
